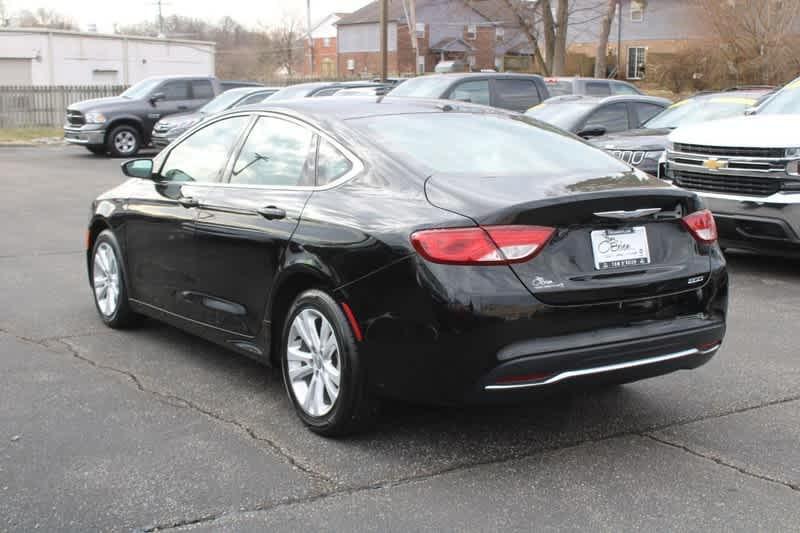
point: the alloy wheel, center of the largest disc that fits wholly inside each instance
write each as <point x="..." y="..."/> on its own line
<point x="125" y="142"/>
<point x="313" y="362"/>
<point x="106" y="279"/>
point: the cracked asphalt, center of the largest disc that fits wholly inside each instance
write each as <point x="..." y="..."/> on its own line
<point x="152" y="429"/>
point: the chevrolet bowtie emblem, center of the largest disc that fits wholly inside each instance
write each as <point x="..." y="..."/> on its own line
<point x="714" y="164"/>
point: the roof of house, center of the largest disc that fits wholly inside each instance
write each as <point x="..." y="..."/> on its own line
<point x="104" y="35"/>
<point x="451" y="44"/>
<point x="492" y="10"/>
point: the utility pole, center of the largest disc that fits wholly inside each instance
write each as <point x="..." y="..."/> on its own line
<point x="619" y="39"/>
<point x="384" y="44"/>
<point x="159" y="4"/>
<point x="310" y="39"/>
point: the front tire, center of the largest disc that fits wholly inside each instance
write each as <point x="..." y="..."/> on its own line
<point x="324" y="375"/>
<point x="124" y="141"/>
<point x="108" y="283"/>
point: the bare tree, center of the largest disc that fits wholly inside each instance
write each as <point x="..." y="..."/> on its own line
<point x="757" y="39"/>
<point x="286" y="45"/>
<point x="601" y="63"/>
<point x="46" y="18"/>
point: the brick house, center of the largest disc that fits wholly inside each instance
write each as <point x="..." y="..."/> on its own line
<point x="479" y="33"/>
<point x="651" y="31"/>
<point x="320" y="56"/>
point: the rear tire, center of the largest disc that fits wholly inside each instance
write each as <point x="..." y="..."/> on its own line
<point x="323" y="371"/>
<point x="124" y="141"/>
<point x="97" y="149"/>
<point x="107" y="275"/>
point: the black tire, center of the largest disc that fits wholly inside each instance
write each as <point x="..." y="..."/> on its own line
<point x="355" y="408"/>
<point x="124" y="141"/>
<point x="97" y="149"/>
<point x="122" y="316"/>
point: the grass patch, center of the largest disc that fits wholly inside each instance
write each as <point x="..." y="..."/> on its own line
<point x="14" y="135"/>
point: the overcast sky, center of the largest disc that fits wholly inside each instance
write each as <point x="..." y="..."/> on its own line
<point x="105" y="13"/>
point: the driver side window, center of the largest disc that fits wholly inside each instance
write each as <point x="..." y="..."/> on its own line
<point x="202" y="156"/>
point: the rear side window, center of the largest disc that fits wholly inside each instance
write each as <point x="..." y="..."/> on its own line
<point x="612" y="117"/>
<point x="276" y="153"/>
<point x="202" y="157"/>
<point x="252" y="99"/>
<point x="623" y="88"/>
<point x="598" y="88"/>
<point x="202" y="89"/>
<point x="327" y="92"/>
<point x="517" y="95"/>
<point x="476" y="92"/>
<point x="176" y="90"/>
<point x="331" y="163"/>
<point x="646" y="111"/>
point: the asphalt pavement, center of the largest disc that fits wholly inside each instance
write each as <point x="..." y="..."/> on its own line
<point x="152" y="429"/>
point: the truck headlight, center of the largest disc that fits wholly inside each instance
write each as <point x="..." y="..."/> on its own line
<point x="793" y="152"/>
<point x="95" y="118"/>
<point x="793" y="167"/>
<point x="185" y="124"/>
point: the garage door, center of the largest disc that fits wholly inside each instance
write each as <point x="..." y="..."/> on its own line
<point x="15" y="71"/>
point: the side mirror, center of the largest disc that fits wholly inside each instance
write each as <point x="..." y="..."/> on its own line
<point x="155" y="97"/>
<point x="592" y="131"/>
<point x="138" y="168"/>
<point x="750" y="111"/>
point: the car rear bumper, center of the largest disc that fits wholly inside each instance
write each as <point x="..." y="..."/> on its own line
<point x="464" y="348"/>
<point x="769" y="224"/>
<point x="86" y="135"/>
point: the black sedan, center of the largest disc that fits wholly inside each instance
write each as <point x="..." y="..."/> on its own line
<point x="643" y="147"/>
<point x="589" y="116"/>
<point x="427" y="250"/>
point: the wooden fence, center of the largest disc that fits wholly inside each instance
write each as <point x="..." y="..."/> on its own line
<point x="45" y="106"/>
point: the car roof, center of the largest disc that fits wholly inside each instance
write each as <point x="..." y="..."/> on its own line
<point x="598" y="100"/>
<point x="250" y="89"/>
<point x="367" y="106"/>
<point x="459" y="75"/>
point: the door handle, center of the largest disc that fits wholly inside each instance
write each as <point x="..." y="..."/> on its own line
<point x="271" y="212"/>
<point x="188" y="201"/>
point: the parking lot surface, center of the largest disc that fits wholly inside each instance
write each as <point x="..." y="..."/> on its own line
<point x="152" y="429"/>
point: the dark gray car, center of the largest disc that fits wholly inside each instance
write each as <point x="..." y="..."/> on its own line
<point x="516" y="92"/>
<point x="592" y="117"/>
<point x="121" y="125"/>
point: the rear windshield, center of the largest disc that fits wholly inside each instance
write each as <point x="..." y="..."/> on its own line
<point x="423" y="87"/>
<point x="485" y="144"/>
<point x="559" y="88"/>
<point x="294" y="91"/>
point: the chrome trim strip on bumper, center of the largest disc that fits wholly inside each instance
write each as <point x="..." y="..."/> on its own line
<point x="603" y="369"/>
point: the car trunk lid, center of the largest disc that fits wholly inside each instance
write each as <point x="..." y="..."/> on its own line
<point x="641" y="218"/>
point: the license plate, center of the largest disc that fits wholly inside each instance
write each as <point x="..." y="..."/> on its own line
<point x="620" y="248"/>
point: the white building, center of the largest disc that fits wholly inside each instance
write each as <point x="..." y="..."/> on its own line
<point x="34" y="56"/>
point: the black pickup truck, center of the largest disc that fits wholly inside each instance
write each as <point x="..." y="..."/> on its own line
<point x="121" y="125"/>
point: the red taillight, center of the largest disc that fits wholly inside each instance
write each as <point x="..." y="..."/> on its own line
<point x="489" y="245"/>
<point x="702" y="226"/>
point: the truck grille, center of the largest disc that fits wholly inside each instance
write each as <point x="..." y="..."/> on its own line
<point x="75" y="118"/>
<point x="727" y="184"/>
<point x="719" y="151"/>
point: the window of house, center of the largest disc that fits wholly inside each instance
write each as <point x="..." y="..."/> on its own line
<point x="420" y="64"/>
<point x="277" y="153"/>
<point x="419" y="28"/>
<point x="637" y="11"/>
<point x="326" y="42"/>
<point x="472" y="31"/>
<point x="636" y="62"/>
<point x="500" y="33"/>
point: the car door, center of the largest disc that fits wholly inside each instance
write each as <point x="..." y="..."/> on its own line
<point x="161" y="250"/>
<point x="612" y="118"/>
<point x="177" y="98"/>
<point x="515" y="94"/>
<point x="244" y="225"/>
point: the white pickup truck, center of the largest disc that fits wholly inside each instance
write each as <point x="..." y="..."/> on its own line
<point x="747" y="169"/>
